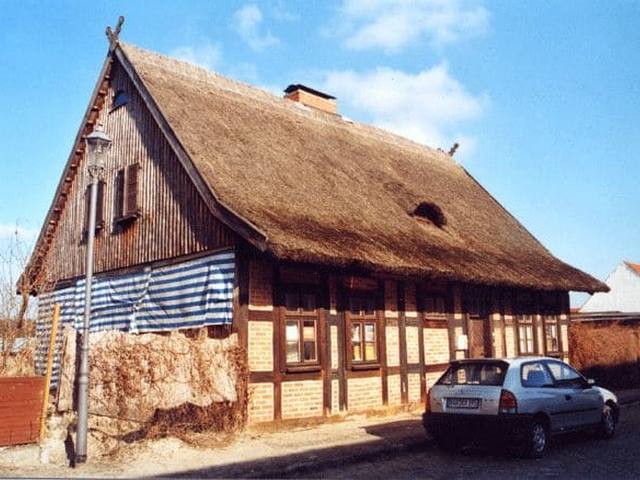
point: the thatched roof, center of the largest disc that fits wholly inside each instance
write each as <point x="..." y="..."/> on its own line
<point x="330" y="191"/>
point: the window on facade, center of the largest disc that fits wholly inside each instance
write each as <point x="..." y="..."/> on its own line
<point x="551" y="333"/>
<point x="301" y="341"/>
<point x="120" y="98"/>
<point x="99" y="208"/>
<point x="363" y="341"/>
<point x="301" y="325"/>
<point x="525" y="334"/>
<point x="126" y="193"/>
<point x="364" y="344"/>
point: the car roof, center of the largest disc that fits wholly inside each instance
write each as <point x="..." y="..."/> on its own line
<point x="510" y="360"/>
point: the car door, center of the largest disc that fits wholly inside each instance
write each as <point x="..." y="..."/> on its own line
<point x="582" y="404"/>
<point x="591" y="404"/>
<point x="538" y="389"/>
<point x="539" y="393"/>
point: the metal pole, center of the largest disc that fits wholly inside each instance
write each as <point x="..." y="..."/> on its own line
<point x="83" y="378"/>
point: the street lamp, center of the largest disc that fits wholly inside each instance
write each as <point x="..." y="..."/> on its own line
<point x="98" y="144"/>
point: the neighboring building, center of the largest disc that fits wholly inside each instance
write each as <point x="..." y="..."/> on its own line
<point x="352" y="263"/>
<point x="624" y="293"/>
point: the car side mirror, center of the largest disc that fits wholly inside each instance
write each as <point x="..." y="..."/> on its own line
<point x="591" y="382"/>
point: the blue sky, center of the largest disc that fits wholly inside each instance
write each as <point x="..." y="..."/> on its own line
<point x="543" y="96"/>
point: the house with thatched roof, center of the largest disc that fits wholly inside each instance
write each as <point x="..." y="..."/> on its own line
<point x="351" y="263"/>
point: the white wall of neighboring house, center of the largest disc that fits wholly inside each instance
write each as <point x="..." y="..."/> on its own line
<point x="624" y="296"/>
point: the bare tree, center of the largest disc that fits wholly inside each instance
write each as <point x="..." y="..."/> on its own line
<point x="16" y="311"/>
<point x="14" y="256"/>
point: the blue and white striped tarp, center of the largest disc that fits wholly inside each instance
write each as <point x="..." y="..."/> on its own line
<point x="186" y="295"/>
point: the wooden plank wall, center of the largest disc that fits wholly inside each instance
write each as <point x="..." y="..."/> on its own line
<point x="174" y="219"/>
<point x="20" y="409"/>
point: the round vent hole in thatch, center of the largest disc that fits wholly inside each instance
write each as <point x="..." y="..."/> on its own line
<point x="430" y="212"/>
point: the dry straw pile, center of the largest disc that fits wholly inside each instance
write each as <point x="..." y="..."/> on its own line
<point x="17" y="349"/>
<point x="162" y="384"/>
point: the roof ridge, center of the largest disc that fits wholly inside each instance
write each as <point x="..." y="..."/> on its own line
<point x="194" y="72"/>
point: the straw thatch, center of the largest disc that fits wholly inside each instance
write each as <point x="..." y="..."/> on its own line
<point x="330" y="191"/>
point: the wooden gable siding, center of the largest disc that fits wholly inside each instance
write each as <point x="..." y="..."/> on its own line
<point x="174" y="219"/>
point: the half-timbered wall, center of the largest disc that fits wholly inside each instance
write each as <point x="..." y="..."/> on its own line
<point x="174" y="221"/>
<point x="421" y="326"/>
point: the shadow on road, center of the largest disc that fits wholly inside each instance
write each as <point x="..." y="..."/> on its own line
<point x="396" y="430"/>
<point x="393" y="438"/>
<point x="394" y="441"/>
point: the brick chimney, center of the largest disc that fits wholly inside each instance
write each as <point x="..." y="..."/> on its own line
<point x="311" y="98"/>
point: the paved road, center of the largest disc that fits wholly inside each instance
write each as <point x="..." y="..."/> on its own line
<point x="571" y="456"/>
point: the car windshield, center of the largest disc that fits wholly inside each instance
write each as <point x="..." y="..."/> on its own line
<point x="475" y="373"/>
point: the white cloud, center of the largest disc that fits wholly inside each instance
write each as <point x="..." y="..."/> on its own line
<point x="247" y="22"/>
<point x="207" y="55"/>
<point x="427" y="107"/>
<point x="394" y="24"/>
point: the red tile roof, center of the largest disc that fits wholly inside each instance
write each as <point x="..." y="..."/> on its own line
<point x="634" y="266"/>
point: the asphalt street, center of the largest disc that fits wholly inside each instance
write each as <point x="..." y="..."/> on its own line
<point x="572" y="456"/>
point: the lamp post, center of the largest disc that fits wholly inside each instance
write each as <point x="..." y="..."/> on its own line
<point x="98" y="144"/>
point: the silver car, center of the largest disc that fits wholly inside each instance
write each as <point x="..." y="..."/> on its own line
<point x="520" y="402"/>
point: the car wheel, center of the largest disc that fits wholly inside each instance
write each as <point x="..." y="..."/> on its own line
<point x="536" y="441"/>
<point x="608" y="421"/>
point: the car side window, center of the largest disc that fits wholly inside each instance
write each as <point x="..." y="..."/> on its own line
<point x="535" y="375"/>
<point x="565" y="376"/>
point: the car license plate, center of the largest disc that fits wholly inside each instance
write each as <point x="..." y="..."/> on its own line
<point x="463" y="402"/>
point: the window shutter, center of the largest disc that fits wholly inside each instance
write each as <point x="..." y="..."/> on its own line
<point x="131" y="190"/>
<point x="119" y="194"/>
